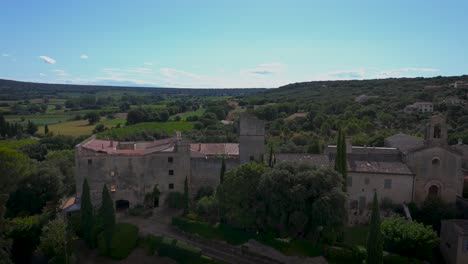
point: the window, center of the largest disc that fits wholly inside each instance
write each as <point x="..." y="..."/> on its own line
<point x="171" y="186"/>
<point x="353" y="204"/>
<point x="170" y="159"/>
<point x="251" y="158"/>
<point x="435" y="161"/>
<point x="349" y="181"/>
<point x="465" y="244"/>
<point x="437" y="131"/>
<point x="366" y="180"/>
<point x="90" y="161"/>
<point x="171" y="172"/>
<point x="388" y="184"/>
<point x="112" y="188"/>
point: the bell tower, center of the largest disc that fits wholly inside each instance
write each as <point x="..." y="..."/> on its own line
<point x="436" y="131"/>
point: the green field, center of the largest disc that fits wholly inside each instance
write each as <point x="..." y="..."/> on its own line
<point x="183" y="116"/>
<point x="168" y="127"/>
<point x="15" y="144"/>
<point x="38" y="119"/>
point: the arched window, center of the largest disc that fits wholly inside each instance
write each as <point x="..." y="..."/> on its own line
<point x="437" y="131"/>
<point x="435" y="161"/>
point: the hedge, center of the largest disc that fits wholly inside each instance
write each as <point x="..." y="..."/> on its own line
<point x="358" y="254"/>
<point x="176" y="250"/>
<point x="124" y="240"/>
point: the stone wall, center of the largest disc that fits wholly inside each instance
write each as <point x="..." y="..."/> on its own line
<point x="206" y="172"/>
<point x="132" y="176"/>
<point x="361" y="188"/>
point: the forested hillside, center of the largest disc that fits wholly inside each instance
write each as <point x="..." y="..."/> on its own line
<point x="367" y="110"/>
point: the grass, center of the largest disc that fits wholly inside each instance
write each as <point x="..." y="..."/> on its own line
<point x="70" y="128"/>
<point x="183" y="116"/>
<point x="168" y="127"/>
<point x="296" y="247"/>
<point x="15" y="144"/>
<point x="356" y="235"/>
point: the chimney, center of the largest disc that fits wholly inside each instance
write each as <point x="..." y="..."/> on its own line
<point x="349" y="146"/>
<point x="111" y="143"/>
<point x="199" y="146"/>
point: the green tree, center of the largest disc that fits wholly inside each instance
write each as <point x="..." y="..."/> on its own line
<point x="408" y="238"/>
<point x="374" y="240"/>
<point x="87" y="215"/>
<point x="31" y="128"/>
<point x="14" y="167"/>
<point x="46" y="129"/>
<point x="108" y="216"/>
<point x="92" y="117"/>
<point x="56" y="242"/>
<point x="270" y="158"/>
<point x="223" y="170"/>
<point x="237" y="194"/>
<point x="186" y="197"/>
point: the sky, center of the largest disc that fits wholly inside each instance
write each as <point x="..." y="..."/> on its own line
<point x="230" y="44"/>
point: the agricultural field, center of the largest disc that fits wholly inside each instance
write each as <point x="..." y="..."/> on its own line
<point x="80" y="127"/>
<point x="199" y="112"/>
<point x="16" y="144"/>
<point x="168" y="127"/>
<point x="39" y="119"/>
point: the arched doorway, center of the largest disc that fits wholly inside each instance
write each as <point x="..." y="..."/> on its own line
<point x="122" y="205"/>
<point x="433" y="192"/>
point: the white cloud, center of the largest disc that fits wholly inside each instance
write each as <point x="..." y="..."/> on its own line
<point x="267" y="68"/>
<point x="84" y="56"/>
<point x="405" y="72"/>
<point x="47" y="59"/>
<point x="148" y="63"/>
<point x="5" y="55"/>
<point x="60" y="72"/>
<point x="42" y="74"/>
<point x="140" y="70"/>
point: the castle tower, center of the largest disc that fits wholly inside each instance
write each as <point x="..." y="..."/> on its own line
<point x="251" y="138"/>
<point x="436" y="132"/>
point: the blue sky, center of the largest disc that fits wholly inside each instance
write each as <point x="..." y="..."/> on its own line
<point x="238" y="43"/>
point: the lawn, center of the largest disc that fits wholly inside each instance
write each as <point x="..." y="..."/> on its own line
<point x="199" y="112"/>
<point x="168" y="127"/>
<point x="356" y="235"/>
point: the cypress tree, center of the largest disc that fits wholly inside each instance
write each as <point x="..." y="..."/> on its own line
<point x="270" y="159"/>
<point x="344" y="167"/>
<point x="186" y="197"/>
<point x="87" y="217"/>
<point x="338" y="152"/>
<point x="46" y="129"/>
<point x="223" y="170"/>
<point x="108" y="216"/>
<point x="374" y="240"/>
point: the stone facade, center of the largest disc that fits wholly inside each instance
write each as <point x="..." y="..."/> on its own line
<point x="436" y="165"/>
<point x="251" y="139"/>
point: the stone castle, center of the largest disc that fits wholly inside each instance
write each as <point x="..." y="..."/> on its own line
<point x="407" y="169"/>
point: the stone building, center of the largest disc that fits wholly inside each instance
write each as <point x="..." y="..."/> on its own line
<point x="132" y="169"/>
<point x="454" y="241"/>
<point x="421" y="107"/>
<point x="407" y="169"/>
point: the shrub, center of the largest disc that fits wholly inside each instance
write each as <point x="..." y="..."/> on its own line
<point x="175" y="200"/>
<point x="408" y="238"/>
<point x="207" y="207"/>
<point x="397" y="259"/>
<point x="204" y="192"/>
<point x="151" y="244"/>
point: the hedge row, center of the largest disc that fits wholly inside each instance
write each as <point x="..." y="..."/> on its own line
<point x="124" y="240"/>
<point x="176" y="250"/>
<point x="357" y="255"/>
